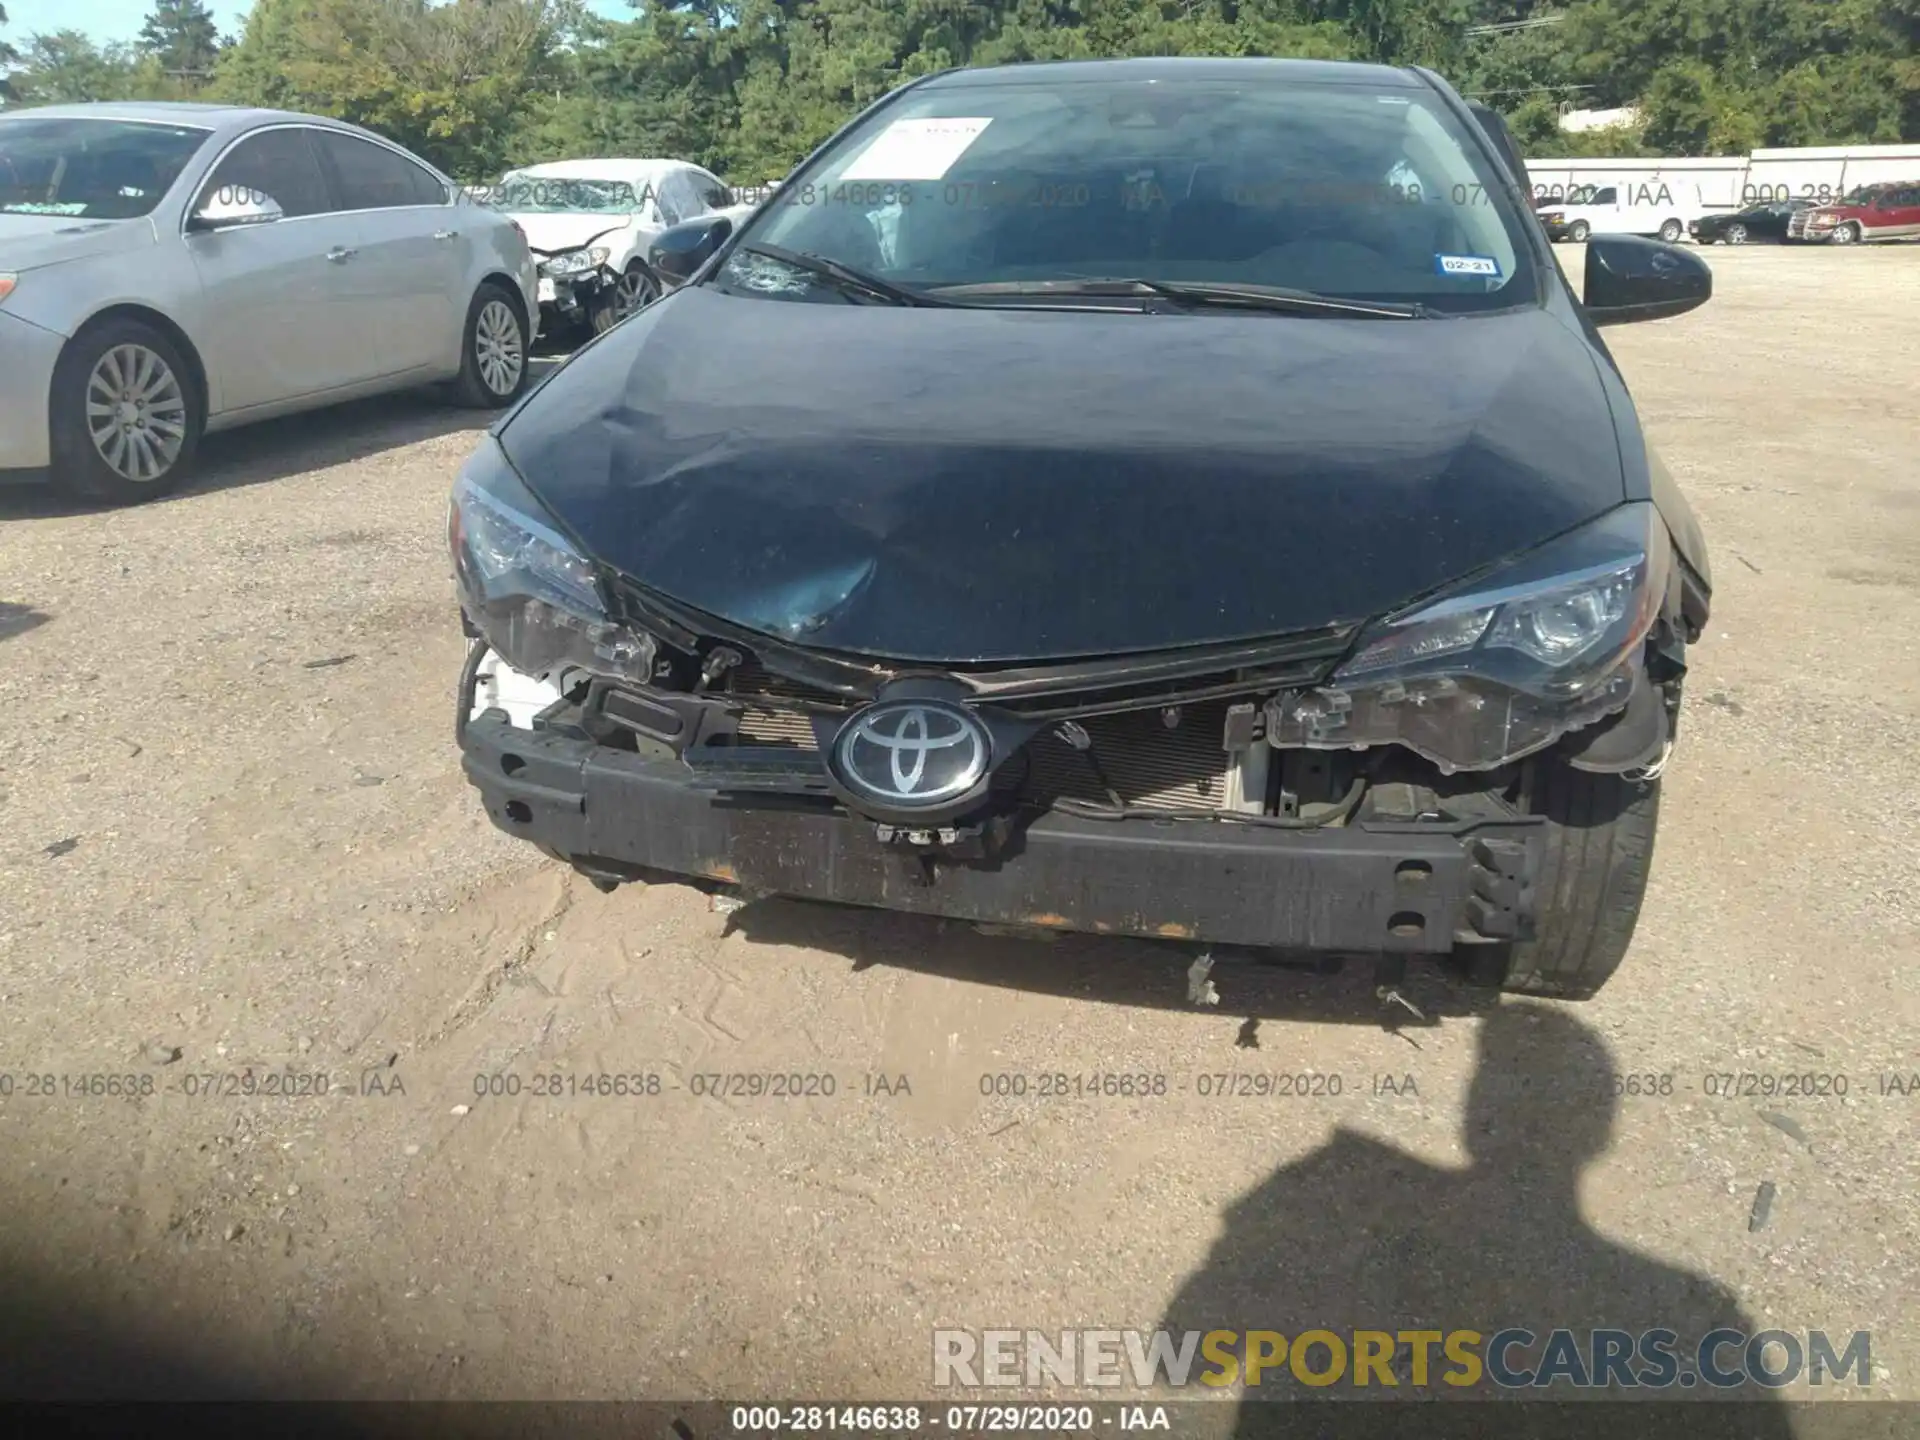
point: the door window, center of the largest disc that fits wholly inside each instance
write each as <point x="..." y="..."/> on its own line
<point x="372" y="177"/>
<point x="278" y="163"/>
<point x="677" y="198"/>
<point x="713" y="194"/>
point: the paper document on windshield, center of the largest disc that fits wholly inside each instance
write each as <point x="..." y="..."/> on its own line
<point x="916" y="150"/>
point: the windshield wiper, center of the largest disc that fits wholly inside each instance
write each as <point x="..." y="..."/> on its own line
<point x="1245" y="297"/>
<point x="845" y="277"/>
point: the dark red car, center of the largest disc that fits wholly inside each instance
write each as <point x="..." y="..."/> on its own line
<point x="1873" y="212"/>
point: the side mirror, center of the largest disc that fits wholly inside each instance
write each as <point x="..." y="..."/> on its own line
<point x="231" y="206"/>
<point x="681" y="249"/>
<point x="1631" y="279"/>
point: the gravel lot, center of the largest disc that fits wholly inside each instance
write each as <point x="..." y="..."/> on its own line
<point x="234" y="838"/>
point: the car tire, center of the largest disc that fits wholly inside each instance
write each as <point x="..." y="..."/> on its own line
<point x="639" y="288"/>
<point x="1578" y="232"/>
<point x="1598" y="857"/>
<point x="1847" y="234"/>
<point x="122" y="456"/>
<point x="1736" y="235"/>
<point x="1671" y="231"/>
<point x="494" y="360"/>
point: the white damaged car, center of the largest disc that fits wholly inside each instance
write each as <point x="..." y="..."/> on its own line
<point x="589" y="224"/>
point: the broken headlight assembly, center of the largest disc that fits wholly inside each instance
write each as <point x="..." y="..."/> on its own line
<point x="576" y="262"/>
<point x="1550" y="642"/>
<point x="526" y="587"/>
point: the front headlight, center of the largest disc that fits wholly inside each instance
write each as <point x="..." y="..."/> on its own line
<point x="574" y="262"/>
<point x="1549" y="643"/>
<point x="527" y="589"/>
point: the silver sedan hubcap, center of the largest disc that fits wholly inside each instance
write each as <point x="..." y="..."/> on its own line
<point x="136" y="413"/>
<point x="497" y="348"/>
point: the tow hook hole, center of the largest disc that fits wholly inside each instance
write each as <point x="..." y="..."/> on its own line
<point x="1407" y="923"/>
<point x="519" y="811"/>
<point x="513" y="765"/>
<point x="1413" y="872"/>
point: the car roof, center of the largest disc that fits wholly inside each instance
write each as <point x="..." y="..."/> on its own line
<point x="1184" y="67"/>
<point x="610" y="169"/>
<point x="220" y="119"/>
<point x="167" y="112"/>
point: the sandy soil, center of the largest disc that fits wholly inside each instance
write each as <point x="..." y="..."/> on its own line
<point x="234" y="839"/>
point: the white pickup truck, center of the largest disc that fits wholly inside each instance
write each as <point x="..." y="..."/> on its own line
<point x="1646" y="207"/>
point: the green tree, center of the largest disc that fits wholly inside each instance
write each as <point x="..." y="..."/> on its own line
<point x="748" y="87"/>
<point x="68" y="67"/>
<point x="452" y="81"/>
<point x="180" y="34"/>
<point x="8" y="57"/>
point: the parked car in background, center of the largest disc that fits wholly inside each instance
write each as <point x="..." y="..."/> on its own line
<point x="1872" y="212"/>
<point x="1643" y="208"/>
<point x="171" y="269"/>
<point x="1204" y="511"/>
<point x="1766" y="222"/>
<point x="589" y="223"/>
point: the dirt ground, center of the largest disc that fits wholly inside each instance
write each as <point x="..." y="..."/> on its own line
<point x="235" y="841"/>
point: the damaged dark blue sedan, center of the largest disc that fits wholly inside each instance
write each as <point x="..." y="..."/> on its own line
<point x="1175" y="498"/>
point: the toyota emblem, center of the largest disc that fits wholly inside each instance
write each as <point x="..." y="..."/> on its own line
<point x="912" y="754"/>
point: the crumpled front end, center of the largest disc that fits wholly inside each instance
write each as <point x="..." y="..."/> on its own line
<point x="1115" y="804"/>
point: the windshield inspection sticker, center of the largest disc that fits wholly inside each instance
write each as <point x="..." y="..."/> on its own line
<point x="1467" y="265"/>
<point x="916" y="150"/>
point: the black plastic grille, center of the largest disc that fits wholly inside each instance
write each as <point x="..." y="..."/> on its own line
<point x="1148" y="763"/>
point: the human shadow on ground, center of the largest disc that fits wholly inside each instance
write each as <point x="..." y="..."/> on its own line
<point x="1362" y="1236"/>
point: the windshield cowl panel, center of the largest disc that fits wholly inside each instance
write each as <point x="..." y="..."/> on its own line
<point x="1373" y="191"/>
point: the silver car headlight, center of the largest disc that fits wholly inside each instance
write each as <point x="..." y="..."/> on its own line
<point x="574" y="262"/>
<point x="526" y="587"/>
<point x="1550" y="642"/>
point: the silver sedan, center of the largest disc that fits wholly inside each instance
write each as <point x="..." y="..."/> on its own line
<point x="172" y="269"/>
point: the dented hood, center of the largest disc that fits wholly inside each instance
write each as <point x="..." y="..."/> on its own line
<point x="552" y="234"/>
<point x="969" y="485"/>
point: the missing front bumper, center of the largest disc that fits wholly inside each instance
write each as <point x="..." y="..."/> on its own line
<point x="1413" y="888"/>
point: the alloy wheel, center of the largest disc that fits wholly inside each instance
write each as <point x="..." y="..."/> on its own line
<point x="1736" y="234"/>
<point x="636" y="290"/>
<point x="498" y="350"/>
<point x="136" y="413"/>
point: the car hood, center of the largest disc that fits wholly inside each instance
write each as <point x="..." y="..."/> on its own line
<point x="30" y="241"/>
<point x="553" y="233"/>
<point x="955" y="485"/>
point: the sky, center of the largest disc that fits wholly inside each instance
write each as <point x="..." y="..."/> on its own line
<point x="106" y="20"/>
